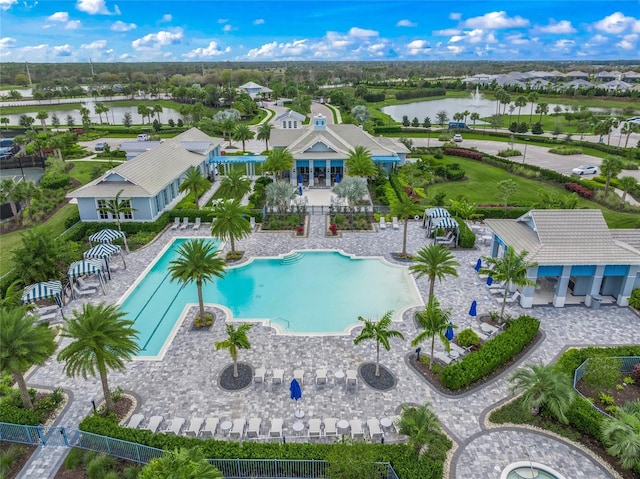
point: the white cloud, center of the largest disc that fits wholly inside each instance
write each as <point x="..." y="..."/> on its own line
<point x="154" y="41"/>
<point x="72" y="25"/>
<point x="212" y="50"/>
<point x="455" y="49"/>
<point x="617" y="23"/>
<point x="123" y="27"/>
<point x="406" y="23"/>
<point x="362" y="33"/>
<point x="279" y="50"/>
<point x="59" y="17"/>
<point x="167" y="17"/>
<point x="96" y="7"/>
<point x="6" y="4"/>
<point x="455" y="16"/>
<point x="496" y="20"/>
<point x="223" y="20"/>
<point x="456" y="38"/>
<point x="447" y="32"/>
<point x="258" y="21"/>
<point x="63" y="50"/>
<point x="628" y="42"/>
<point x="599" y="39"/>
<point x="98" y="44"/>
<point x="517" y="39"/>
<point x="563" y="26"/>
<point x="227" y="28"/>
<point x="7" y="42"/>
<point x="475" y="36"/>
<point x="564" y="45"/>
<point x="337" y="41"/>
<point x="124" y="56"/>
<point x="417" y="47"/>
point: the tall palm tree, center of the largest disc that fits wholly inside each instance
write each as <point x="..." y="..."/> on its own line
<point x="626" y="184"/>
<point x="230" y="223"/>
<point x="544" y="386"/>
<point x="7" y="194"/>
<point x="228" y="125"/>
<point x="378" y="331"/>
<point x="418" y="424"/>
<point x="360" y="163"/>
<point x="435" y="262"/>
<point x="193" y="181"/>
<point x="23" y="344"/>
<point x="237" y="340"/>
<point x="520" y="102"/>
<point x="404" y="209"/>
<point x="621" y="435"/>
<point x="197" y="262"/>
<point x="102" y="340"/>
<point x="475" y="116"/>
<point x="242" y="133"/>
<point x="532" y="98"/>
<point x="352" y="189"/>
<point x="510" y="269"/>
<point x="280" y="194"/>
<point x="235" y="185"/>
<point x="186" y="463"/>
<point x="611" y="166"/>
<point x="42" y="116"/>
<point x="117" y="207"/>
<point x="433" y="321"/>
<point x="277" y="161"/>
<point x="264" y="133"/>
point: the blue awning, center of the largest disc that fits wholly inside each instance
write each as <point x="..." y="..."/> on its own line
<point x="106" y="236"/>
<point x="446" y="222"/>
<point x="239" y="159"/>
<point x="86" y="266"/>
<point x="102" y="251"/>
<point x="436" y="213"/>
<point x="386" y="159"/>
<point x="46" y="289"/>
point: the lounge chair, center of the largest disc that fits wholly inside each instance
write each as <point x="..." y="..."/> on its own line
<point x="175" y="426"/>
<point x="445" y="239"/>
<point x="176" y="223"/>
<point x="84" y="284"/>
<point x="237" y="430"/>
<point x="314" y="427"/>
<point x="252" y="223"/>
<point x="46" y="310"/>
<point x="194" y="427"/>
<point x="196" y="225"/>
<point x="443" y="357"/>
<point x="481" y="335"/>
<point x="210" y="427"/>
<point x="374" y="428"/>
<point x="356" y="429"/>
<point x="513" y="298"/>
<point x="278" y="375"/>
<point x="253" y="430"/>
<point x="154" y="423"/>
<point x="395" y="422"/>
<point x="321" y="376"/>
<point x="383" y="223"/>
<point x="488" y="329"/>
<point x="78" y="293"/>
<point x="352" y="377"/>
<point x="135" y="420"/>
<point x="185" y="223"/>
<point x="330" y="426"/>
<point x="276" y="427"/>
<point x="395" y="223"/>
<point x="457" y="349"/>
<point x="258" y="375"/>
<point x="298" y="374"/>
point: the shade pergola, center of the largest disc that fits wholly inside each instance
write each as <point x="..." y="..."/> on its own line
<point x="432" y="213"/>
<point x="446" y="223"/>
<point x="103" y="252"/>
<point x="86" y="266"/>
<point x="107" y="236"/>
<point x="44" y="290"/>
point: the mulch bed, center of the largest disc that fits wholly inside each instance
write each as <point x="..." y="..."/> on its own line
<point x="629" y="393"/>
<point x="230" y="383"/>
<point x="383" y="382"/>
<point x="21" y="460"/>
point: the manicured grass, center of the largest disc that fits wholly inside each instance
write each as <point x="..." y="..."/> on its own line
<point x="55" y="224"/>
<point x="481" y="188"/>
<point x="82" y="170"/>
<point x="33" y="109"/>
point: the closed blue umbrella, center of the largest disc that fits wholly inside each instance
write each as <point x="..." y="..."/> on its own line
<point x="489" y="280"/>
<point x="300" y="179"/>
<point x="449" y="333"/>
<point x="478" y="265"/>
<point x="473" y="310"/>
<point x="338" y="178"/>
<point x="296" y="393"/>
<point x="300" y="190"/>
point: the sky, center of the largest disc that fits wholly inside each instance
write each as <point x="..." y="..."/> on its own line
<point x="57" y="31"/>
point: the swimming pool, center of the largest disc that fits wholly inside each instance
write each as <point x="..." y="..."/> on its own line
<point x="304" y="292"/>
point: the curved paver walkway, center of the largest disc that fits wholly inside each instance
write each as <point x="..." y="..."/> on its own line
<point x="184" y="383"/>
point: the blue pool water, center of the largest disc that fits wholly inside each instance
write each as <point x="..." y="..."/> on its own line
<point x="303" y="292"/>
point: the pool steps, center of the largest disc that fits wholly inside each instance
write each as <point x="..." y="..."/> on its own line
<point x="291" y="258"/>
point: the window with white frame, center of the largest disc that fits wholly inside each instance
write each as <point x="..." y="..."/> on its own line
<point x="128" y="214"/>
<point x="102" y="213"/>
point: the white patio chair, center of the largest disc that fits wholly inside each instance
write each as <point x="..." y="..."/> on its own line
<point x="185" y="223"/>
<point x="84" y="284"/>
<point x="513" y="298"/>
<point x="252" y="223"/>
<point x="78" y="293"/>
<point x="443" y="357"/>
<point x="314" y="427"/>
<point x="175" y="426"/>
<point x="210" y="427"/>
<point x="276" y="427"/>
<point x="330" y="426"/>
<point x="237" y="430"/>
<point x="258" y="375"/>
<point x="154" y="423"/>
<point x="395" y="422"/>
<point x="278" y="376"/>
<point x="176" y="223"/>
<point x="374" y="428"/>
<point x="194" y="427"/>
<point x="356" y="429"/>
<point x="395" y="223"/>
<point x="135" y="420"/>
<point x="298" y="375"/>
<point x="196" y="225"/>
<point x="321" y="376"/>
<point x="383" y="223"/>
<point x="253" y="430"/>
<point x="352" y="377"/>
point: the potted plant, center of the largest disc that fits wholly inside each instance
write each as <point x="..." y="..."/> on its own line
<point x="333" y="228"/>
<point x="299" y="230"/>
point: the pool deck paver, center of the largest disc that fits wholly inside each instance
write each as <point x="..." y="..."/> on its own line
<point x="184" y="383"/>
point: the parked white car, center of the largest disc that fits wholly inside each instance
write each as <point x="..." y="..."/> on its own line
<point x="585" y="170"/>
<point x="457" y="137"/>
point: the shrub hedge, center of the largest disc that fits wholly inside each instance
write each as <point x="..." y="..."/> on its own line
<point x="474" y="155"/>
<point x="581" y="190"/>
<point x="406" y="464"/>
<point x="492" y="355"/>
<point x="467" y="237"/>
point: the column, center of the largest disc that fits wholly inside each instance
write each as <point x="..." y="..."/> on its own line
<point x="526" y="298"/>
<point x="327" y="174"/>
<point x="560" y="295"/>
<point x="596" y="284"/>
<point x="311" y="182"/>
<point x="627" y="286"/>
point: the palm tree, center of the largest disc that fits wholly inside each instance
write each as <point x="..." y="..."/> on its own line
<point x="626" y="184"/>
<point x="264" y="133"/>
<point x="542" y="109"/>
<point x="194" y="182"/>
<point x="237" y="340"/>
<point x="434" y="321"/>
<point x="278" y="161"/>
<point x="230" y="223"/>
<point x="117" y="207"/>
<point x="235" y="185"/>
<point x="475" y="116"/>
<point x="532" y="98"/>
<point x="352" y="189"/>
<point x="186" y="463"/>
<point x="360" y="163"/>
<point x="520" y="102"/>
<point x="22" y="345"/>
<point x="242" y="133"/>
<point x="404" y="209"/>
<point x="228" y="125"/>
<point x="102" y="340"/>
<point x="42" y="116"/>
<point x="378" y="331"/>
<point x="434" y="261"/>
<point x="197" y="261"/>
<point x="510" y="269"/>
<point x="621" y="435"/>
<point x="280" y="193"/>
<point x="611" y="166"/>
<point x="418" y="424"/>
<point x="7" y="194"/>
<point x="544" y="386"/>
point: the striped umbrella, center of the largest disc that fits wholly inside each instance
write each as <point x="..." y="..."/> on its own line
<point x="86" y="266"/>
<point x="46" y="289"/>
<point x="107" y="236"/>
<point x="104" y="251"/>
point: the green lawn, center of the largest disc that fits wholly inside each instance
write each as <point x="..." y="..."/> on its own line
<point x="82" y="170"/>
<point x="480" y="188"/>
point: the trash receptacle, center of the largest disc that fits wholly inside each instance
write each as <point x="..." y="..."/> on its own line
<point x="596" y="301"/>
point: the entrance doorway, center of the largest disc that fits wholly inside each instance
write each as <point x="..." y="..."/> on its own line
<point x="319" y="176"/>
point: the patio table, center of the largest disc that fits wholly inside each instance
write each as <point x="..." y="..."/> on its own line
<point x="343" y="425"/>
<point x="385" y="422"/>
<point x="226" y="426"/>
<point x="339" y="376"/>
<point x="298" y="426"/>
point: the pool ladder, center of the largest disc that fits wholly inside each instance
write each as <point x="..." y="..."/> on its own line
<point x="282" y="320"/>
<point x="291" y="259"/>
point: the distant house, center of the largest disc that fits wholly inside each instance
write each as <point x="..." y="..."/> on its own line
<point x="631" y="77"/>
<point x="577" y="75"/>
<point x="617" y="85"/>
<point x="606" y="76"/>
<point x="150" y="180"/>
<point x="579" y="83"/>
<point x="580" y="260"/>
<point x="290" y="119"/>
<point x="254" y="90"/>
